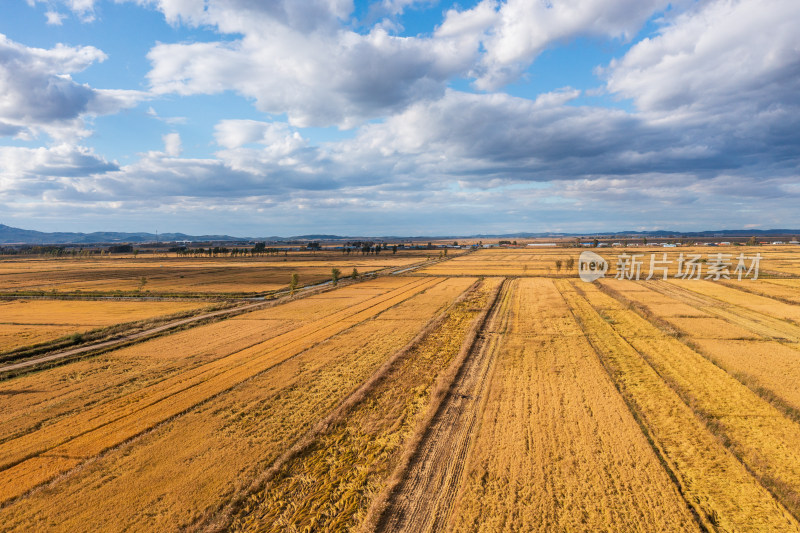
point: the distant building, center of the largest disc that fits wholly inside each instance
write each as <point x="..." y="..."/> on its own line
<point x="540" y="244"/>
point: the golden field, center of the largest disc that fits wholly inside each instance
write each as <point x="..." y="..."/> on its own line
<point x="26" y="322"/>
<point x="171" y="275"/>
<point x="776" y="261"/>
<point x="488" y="391"/>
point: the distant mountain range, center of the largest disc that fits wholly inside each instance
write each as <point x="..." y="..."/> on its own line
<point x="17" y="235"/>
<point x="10" y="235"/>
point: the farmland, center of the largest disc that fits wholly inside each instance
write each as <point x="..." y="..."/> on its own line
<point x="177" y="276"/>
<point x="27" y="322"/>
<point x="484" y="391"/>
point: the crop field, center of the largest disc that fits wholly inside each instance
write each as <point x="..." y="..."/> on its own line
<point x="27" y="322"/>
<point x="186" y="275"/>
<point x="778" y="261"/>
<point x="483" y="392"/>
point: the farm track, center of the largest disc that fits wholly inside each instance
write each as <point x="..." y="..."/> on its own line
<point x="95" y="348"/>
<point x="428" y="487"/>
<point x="329" y="481"/>
<point x="126" y="339"/>
<point x="37" y="457"/>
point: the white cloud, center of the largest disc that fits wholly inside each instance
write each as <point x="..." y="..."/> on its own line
<point x="316" y="79"/>
<point x="172" y="144"/>
<point x="717" y="58"/>
<point x="54" y="18"/>
<point x="35" y="172"/>
<point x="83" y="8"/>
<point x="38" y="94"/>
<point x="168" y="120"/>
<point x="278" y="137"/>
<point x="515" y="32"/>
<point x="298" y="57"/>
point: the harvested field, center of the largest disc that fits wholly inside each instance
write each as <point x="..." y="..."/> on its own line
<point x="185" y="275"/>
<point x="714" y="482"/>
<point x="259" y="417"/>
<point x="27" y="322"/>
<point x="556" y="448"/>
<point x="331" y="483"/>
<point x="756" y="432"/>
<point x="489" y="391"/>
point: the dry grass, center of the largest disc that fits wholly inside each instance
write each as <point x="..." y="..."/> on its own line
<point x="722" y="490"/>
<point x="556" y="448"/>
<point x="765" y="366"/>
<point x="756" y="432"/>
<point x="710" y="328"/>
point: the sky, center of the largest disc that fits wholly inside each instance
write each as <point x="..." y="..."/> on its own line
<point x="399" y="117"/>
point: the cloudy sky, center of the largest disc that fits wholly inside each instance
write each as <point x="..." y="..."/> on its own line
<point x="423" y="117"/>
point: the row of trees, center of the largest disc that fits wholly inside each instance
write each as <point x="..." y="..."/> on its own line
<point x="259" y="250"/>
<point x="336" y="275"/>
<point x="367" y="247"/>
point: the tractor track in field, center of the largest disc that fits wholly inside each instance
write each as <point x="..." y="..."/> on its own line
<point x="428" y="486"/>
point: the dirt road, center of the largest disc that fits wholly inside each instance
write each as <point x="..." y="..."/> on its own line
<point x="423" y="497"/>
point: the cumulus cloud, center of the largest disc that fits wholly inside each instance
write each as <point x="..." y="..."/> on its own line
<point x="318" y="80"/>
<point x="727" y="70"/>
<point x="278" y="137"/>
<point x="38" y="94"/>
<point x="515" y="32"/>
<point x="301" y="59"/>
<point x="715" y="124"/>
<point x="715" y="58"/>
<point x="41" y="172"/>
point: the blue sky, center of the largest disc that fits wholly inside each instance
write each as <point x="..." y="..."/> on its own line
<point x="286" y="117"/>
